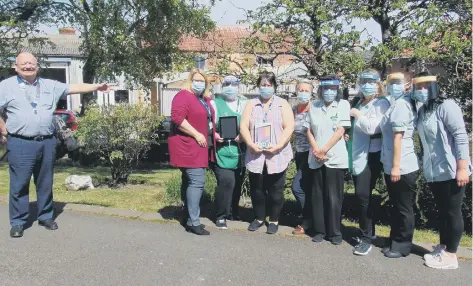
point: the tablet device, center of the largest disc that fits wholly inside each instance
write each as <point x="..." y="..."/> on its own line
<point x="263" y="135"/>
<point x="228" y="127"/>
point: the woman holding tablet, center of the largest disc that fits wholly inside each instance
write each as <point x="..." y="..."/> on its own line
<point x="228" y="169"/>
<point x="266" y="127"/>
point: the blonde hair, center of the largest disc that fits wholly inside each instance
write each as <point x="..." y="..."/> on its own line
<point x="188" y="82"/>
<point x="304" y="81"/>
<point x="381" y="89"/>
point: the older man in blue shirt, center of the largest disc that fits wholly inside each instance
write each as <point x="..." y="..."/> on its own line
<point x="29" y="102"/>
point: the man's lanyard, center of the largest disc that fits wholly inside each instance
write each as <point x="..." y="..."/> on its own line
<point x="33" y="102"/>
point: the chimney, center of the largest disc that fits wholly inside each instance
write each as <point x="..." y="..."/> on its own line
<point x="67" y="31"/>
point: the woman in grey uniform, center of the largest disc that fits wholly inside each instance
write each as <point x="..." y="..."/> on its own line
<point x="365" y="156"/>
<point x="301" y="182"/>
<point x="446" y="165"/>
<point x="400" y="164"/>
<point x="326" y="122"/>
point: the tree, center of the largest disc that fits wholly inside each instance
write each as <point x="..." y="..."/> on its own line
<point x="136" y="38"/>
<point x="19" y="20"/>
<point x="432" y="34"/>
<point x="121" y="134"/>
<point x="314" y="32"/>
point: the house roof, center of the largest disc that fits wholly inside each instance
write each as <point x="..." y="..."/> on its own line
<point x="56" y="45"/>
<point x="223" y="37"/>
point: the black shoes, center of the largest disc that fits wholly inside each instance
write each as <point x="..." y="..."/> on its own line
<point x="16" y="231"/>
<point x="48" y="224"/>
<point x="272" y="228"/>
<point x="255" y="225"/>
<point x="199" y="230"/>
<point x="318" y="238"/>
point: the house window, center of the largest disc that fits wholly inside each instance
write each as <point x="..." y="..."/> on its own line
<point x="199" y="62"/>
<point x="122" y="96"/>
<point x="263" y="61"/>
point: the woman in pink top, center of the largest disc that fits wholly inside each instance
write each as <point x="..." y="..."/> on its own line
<point x="192" y="143"/>
<point x="266" y="127"/>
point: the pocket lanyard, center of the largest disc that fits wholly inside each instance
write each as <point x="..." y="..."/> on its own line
<point x="207" y="108"/>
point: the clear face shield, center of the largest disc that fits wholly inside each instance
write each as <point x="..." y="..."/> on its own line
<point x="367" y="84"/>
<point x="329" y="89"/>
<point x="425" y="88"/>
<point x="396" y="85"/>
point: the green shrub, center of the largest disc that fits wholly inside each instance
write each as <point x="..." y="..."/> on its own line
<point x="121" y="134"/>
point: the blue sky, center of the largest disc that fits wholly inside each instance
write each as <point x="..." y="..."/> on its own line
<point x="227" y="12"/>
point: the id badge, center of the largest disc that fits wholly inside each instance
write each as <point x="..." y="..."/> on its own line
<point x="211" y="126"/>
<point x="334" y="122"/>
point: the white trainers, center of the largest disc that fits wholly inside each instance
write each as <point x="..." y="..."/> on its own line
<point x="442" y="261"/>
<point x="437" y="249"/>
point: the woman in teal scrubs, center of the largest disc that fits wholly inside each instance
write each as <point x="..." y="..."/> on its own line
<point x="446" y="164"/>
<point x="400" y="164"/>
<point x="365" y="156"/>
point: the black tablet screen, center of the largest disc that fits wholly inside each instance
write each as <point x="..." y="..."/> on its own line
<point x="228" y="127"/>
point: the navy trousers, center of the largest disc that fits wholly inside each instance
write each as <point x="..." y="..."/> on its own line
<point x="26" y="158"/>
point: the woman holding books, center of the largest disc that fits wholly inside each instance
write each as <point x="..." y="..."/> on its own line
<point x="228" y="169"/>
<point x="266" y="127"/>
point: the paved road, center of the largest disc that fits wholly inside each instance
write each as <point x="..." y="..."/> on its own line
<point x="100" y="250"/>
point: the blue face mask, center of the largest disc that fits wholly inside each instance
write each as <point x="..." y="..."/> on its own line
<point x="303" y="97"/>
<point x="396" y="90"/>
<point x="329" y="94"/>
<point x="266" y="92"/>
<point x="421" y="95"/>
<point x="198" y="87"/>
<point x="368" y="89"/>
<point x="230" y="92"/>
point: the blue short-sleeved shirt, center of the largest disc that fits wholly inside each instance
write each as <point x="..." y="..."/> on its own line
<point x="323" y="122"/>
<point x="400" y="117"/>
<point x="22" y="118"/>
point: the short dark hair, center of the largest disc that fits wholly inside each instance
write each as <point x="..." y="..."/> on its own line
<point x="330" y="77"/>
<point x="268" y="76"/>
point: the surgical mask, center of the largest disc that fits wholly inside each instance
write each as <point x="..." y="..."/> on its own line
<point x="421" y="95"/>
<point x="396" y="90"/>
<point x="198" y="87"/>
<point x="266" y="92"/>
<point x="329" y="94"/>
<point x="303" y="97"/>
<point x="368" y="89"/>
<point x="230" y="92"/>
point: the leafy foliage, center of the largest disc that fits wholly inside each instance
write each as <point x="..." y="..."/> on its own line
<point x="122" y="134"/>
<point x="21" y="19"/>
<point x="138" y="39"/>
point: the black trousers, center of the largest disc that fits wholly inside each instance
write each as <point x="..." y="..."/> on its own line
<point x="448" y="198"/>
<point x="402" y="196"/>
<point x="267" y="186"/>
<point x="364" y="186"/>
<point x="326" y="198"/>
<point x="228" y="191"/>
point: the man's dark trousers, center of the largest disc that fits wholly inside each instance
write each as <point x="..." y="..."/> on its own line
<point x="26" y="158"/>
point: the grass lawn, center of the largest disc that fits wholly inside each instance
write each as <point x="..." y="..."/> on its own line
<point x="148" y="196"/>
<point x="143" y="197"/>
